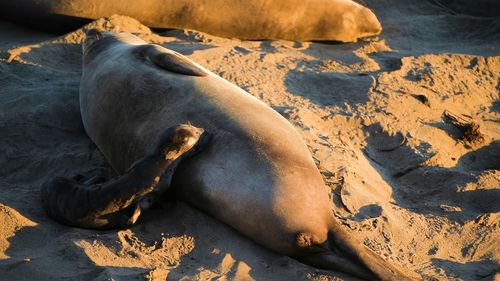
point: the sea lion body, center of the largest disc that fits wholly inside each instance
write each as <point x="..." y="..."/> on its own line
<point x="296" y="20"/>
<point x="256" y="174"/>
<point x="126" y="103"/>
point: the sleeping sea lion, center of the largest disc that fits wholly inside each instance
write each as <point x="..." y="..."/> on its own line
<point x="295" y="20"/>
<point x="256" y="173"/>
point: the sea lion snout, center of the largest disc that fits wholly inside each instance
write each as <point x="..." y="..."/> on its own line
<point x="369" y="23"/>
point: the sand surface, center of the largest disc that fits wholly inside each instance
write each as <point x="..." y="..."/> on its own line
<point x="402" y="179"/>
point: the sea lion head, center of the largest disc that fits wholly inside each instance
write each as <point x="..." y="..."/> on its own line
<point x="355" y="21"/>
<point x="96" y="41"/>
<point x="367" y="23"/>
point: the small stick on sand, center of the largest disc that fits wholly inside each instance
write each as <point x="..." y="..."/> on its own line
<point x="468" y="128"/>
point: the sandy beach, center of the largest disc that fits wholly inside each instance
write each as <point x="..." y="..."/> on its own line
<point x="404" y="179"/>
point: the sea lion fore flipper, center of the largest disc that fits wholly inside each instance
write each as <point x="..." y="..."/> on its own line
<point x="170" y="60"/>
<point x="174" y="63"/>
<point x="120" y="201"/>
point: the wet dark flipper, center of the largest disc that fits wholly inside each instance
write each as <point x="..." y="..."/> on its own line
<point x="91" y="203"/>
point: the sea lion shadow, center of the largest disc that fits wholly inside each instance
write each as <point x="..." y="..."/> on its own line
<point x="333" y="50"/>
<point x="197" y="245"/>
<point x="448" y="192"/>
<point x="342" y="75"/>
<point x="34" y="245"/>
<point x="367" y="212"/>
<point x="185" y="47"/>
<point x="359" y="57"/>
<point x="327" y="89"/>
<point x="210" y="254"/>
<point x="58" y="25"/>
<point x="34" y="120"/>
<point x="186" y="42"/>
<point x="218" y="249"/>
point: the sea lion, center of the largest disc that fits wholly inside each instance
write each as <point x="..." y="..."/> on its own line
<point x="295" y="20"/>
<point x="256" y="174"/>
<point x="119" y="202"/>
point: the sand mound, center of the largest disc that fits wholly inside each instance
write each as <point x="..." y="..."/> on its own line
<point x="11" y="221"/>
<point x="402" y="179"/>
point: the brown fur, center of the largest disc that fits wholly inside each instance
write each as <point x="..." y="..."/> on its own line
<point x="295" y="20"/>
<point x="256" y="174"/>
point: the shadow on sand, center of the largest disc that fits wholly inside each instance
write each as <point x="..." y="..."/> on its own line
<point x="404" y="169"/>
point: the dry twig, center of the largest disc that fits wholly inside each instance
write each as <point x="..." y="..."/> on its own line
<point x="470" y="133"/>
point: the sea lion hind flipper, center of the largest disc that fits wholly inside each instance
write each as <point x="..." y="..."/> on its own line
<point x="333" y="261"/>
<point x="171" y="61"/>
<point x="344" y="244"/>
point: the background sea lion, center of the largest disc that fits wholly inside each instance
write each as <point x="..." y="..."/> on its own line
<point x="256" y="174"/>
<point x="296" y="20"/>
<point x="119" y="202"/>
